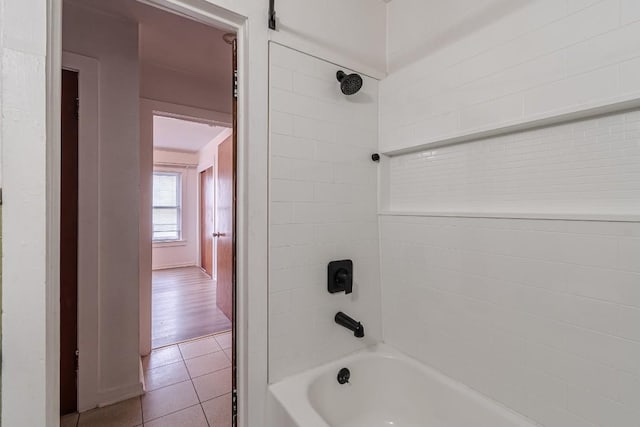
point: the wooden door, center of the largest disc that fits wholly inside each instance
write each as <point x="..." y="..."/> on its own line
<point x="69" y="244"/>
<point x="224" y="211"/>
<point x="206" y="220"/>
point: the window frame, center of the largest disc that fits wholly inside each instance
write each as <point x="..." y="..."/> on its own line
<point x="179" y="207"/>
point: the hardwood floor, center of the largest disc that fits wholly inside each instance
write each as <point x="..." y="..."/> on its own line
<point x="184" y="306"/>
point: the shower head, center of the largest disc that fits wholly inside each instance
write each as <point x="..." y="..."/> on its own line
<point x="349" y="83"/>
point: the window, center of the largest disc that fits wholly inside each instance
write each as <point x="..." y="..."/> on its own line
<point x="166" y="206"/>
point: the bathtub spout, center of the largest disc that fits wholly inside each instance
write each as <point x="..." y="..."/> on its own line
<point x="351" y="324"/>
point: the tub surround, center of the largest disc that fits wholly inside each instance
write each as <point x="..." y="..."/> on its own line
<point x="533" y="299"/>
<point x="510" y="203"/>
<point x="323" y="207"/>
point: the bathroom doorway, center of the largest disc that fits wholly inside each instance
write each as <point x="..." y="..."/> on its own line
<point x="136" y="80"/>
<point x="186" y="303"/>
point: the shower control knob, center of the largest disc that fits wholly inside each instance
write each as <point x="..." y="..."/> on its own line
<point x="340" y="276"/>
<point x="343" y="376"/>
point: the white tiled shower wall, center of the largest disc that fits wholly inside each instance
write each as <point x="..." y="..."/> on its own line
<point x="543" y="58"/>
<point x="323" y="206"/>
<point x="589" y="166"/>
<point x="541" y="315"/>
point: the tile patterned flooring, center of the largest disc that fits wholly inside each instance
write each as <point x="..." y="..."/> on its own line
<point x="187" y="385"/>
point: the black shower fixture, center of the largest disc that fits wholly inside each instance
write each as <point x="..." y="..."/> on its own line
<point x="272" y="14"/>
<point x="340" y="276"/>
<point x="349" y="83"/>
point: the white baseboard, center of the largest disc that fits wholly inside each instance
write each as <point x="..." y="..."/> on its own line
<point x="166" y="267"/>
<point x="119" y="394"/>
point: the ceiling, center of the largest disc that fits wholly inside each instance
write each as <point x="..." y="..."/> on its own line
<point x="183" y="135"/>
<point x="171" y="41"/>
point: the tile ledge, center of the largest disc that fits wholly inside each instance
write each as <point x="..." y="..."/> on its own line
<point x="564" y="216"/>
<point x="560" y="116"/>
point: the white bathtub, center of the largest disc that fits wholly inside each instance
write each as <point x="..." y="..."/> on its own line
<point x="386" y="389"/>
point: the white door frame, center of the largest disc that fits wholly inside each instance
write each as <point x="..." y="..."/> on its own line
<point x="200" y="11"/>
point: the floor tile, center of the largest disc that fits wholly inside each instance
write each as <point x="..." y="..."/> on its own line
<point x="162" y="356"/>
<point x="169" y="399"/>
<point x="123" y="414"/>
<point x="199" y="347"/>
<point x="163" y="376"/>
<point x="218" y="411"/>
<point x="208" y="363"/>
<point x="70" y="420"/>
<point x="224" y="340"/>
<point x="190" y="417"/>
<point x="213" y="385"/>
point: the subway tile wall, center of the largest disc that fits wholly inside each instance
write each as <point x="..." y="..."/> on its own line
<point x="541" y="315"/>
<point x="543" y="58"/>
<point x="589" y="166"/>
<point x="323" y="207"/>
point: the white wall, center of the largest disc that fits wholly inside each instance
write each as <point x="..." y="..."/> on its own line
<point x="26" y="360"/>
<point x="114" y="43"/>
<point x="539" y="59"/>
<point x="185" y="252"/>
<point x="341" y="32"/>
<point x="322" y="208"/>
<point x="418" y="28"/>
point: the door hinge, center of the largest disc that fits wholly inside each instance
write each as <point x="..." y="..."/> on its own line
<point x="235" y="84"/>
<point x="77" y="110"/>
<point x="76" y="362"/>
<point x="234" y="407"/>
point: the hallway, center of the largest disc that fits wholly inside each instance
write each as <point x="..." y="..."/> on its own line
<point x="184" y="306"/>
<point x="187" y="385"/>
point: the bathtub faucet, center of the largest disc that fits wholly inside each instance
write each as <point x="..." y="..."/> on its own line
<point x="351" y="324"/>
